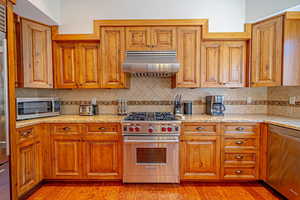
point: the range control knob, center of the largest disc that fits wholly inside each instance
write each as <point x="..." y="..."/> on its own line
<point x="150" y="130"/>
<point x="169" y="129"/>
<point x="176" y="128"/>
<point x="137" y="129"/>
<point x="131" y="129"/>
<point x="163" y="129"/>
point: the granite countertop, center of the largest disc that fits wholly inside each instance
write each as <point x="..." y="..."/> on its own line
<point x="275" y="120"/>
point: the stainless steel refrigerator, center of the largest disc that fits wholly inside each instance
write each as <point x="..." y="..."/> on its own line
<point x="4" y="128"/>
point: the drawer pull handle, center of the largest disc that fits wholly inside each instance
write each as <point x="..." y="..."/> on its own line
<point x="66" y="129"/>
<point x="239" y="157"/>
<point x="239" y="142"/>
<point x="200" y="128"/>
<point x="240" y="129"/>
<point x="2" y="171"/>
<point x="102" y="128"/>
<point x="238" y="172"/>
<point x="26" y="133"/>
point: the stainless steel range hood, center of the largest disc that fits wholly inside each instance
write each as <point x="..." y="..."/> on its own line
<point x="151" y="62"/>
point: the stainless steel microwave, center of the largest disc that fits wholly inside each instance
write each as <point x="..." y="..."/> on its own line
<point x="30" y="108"/>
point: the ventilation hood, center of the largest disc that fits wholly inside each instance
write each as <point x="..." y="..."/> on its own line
<point x="151" y="62"/>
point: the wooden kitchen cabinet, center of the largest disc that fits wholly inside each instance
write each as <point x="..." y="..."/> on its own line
<point x="188" y="50"/>
<point x="66" y="65"/>
<point x="36" y="55"/>
<point x="67" y="154"/>
<point x="267" y="50"/>
<point x="77" y="65"/>
<point x="102" y="151"/>
<point x="223" y="64"/>
<point x="240" y="151"/>
<point x="112" y="57"/>
<point x="200" y="158"/>
<point x="29" y="160"/>
<point x="200" y="151"/>
<point x="102" y="159"/>
<point x="150" y="38"/>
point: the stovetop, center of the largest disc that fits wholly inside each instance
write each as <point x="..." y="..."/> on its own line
<point x="150" y="116"/>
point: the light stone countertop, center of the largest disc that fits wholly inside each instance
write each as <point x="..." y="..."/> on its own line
<point x="271" y="119"/>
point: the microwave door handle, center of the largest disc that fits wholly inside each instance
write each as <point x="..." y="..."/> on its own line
<point x="6" y="95"/>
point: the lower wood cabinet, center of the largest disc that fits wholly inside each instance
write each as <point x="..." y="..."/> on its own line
<point x="67" y="158"/>
<point x="102" y="159"/>
<point x="29" y="163"/>
<point x="200" y="158"/>
<point x="86" y="151"/>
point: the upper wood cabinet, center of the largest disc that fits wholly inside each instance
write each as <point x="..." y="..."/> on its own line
<point x="267" y="49"/>
<point x="150" y="38"/>
<point x="77" y="65"/>
<point x="36" y="55"/>
<point x="112" y="57"/>
<point x="188" y="50"/>
<point x="223" y="64"/>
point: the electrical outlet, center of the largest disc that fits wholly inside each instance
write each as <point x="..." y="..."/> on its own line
<point x="249" y="100"/>
<point x="292" y="100"/>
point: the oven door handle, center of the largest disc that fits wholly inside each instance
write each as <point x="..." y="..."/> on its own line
<point x="151" y="141"/>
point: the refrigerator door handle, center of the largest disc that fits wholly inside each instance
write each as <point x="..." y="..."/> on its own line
<point x="4" y="49"/>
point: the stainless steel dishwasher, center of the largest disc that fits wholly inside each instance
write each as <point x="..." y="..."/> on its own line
<point x="284" y="161"/>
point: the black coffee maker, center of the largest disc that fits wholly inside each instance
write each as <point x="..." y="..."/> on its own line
<point x="215" y="105"/>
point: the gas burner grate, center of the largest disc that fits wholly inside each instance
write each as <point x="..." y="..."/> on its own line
<point x="150" y="116"/>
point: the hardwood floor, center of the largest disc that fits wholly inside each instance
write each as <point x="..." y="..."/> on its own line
<point x="185" y="191"/>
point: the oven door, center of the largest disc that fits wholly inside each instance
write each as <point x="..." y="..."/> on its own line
<point x="151" y="159"/>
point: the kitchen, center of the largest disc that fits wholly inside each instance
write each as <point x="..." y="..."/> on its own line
<point x="150" y="100"/>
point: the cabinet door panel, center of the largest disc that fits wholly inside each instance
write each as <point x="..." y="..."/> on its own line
<point x="27" y="174"/>
<point x="37" y="55"/>
<point x="234" y="64"/>
<point x="67" y="157"/>
<point x="66" y="65"/>
<point x="138" y="39"/>
<point x="267" y="53"/>
<point x="163" y="38"/>
<point x="211" y="61"/>
<point x="200" y="158"/>
<point x="103" y="159"/>
<point x="112" y="57"/>
<point x="188" y="49"/>
<point x="89" y="65"/>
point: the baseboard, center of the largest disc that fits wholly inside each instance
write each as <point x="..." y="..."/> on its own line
<point x="275" y="192"/>
<point x="31" y="191"/>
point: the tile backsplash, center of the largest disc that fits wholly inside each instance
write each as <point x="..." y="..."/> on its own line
<point x="278" y="98"/>
<point x="153" y="94"/>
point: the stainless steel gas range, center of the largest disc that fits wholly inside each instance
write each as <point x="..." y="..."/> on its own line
<point x="151" y="148"/>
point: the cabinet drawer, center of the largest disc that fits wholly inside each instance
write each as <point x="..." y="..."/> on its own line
<point x="66" y="129"/>
<point x="240" y="143"/>
<point x="201" y="128"/>
<point x="239" y="158"/>
<point x="239" y="173"/>
<point x="241" y="129"/>
<point x="103" y="128"/>
<point x="26" y="133"/>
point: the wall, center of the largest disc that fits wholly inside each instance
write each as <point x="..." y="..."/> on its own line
<point x="279" y="101"/>
<point x="224" y="15"/>
<point x="258" y="9"/>
<point x="153" y="94"/>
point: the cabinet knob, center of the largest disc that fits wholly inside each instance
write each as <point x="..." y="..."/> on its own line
<point x="26" y="133"/>
<point x="239" y="157"/>
<point x="240" y="129"/>
<point x="200" y="128"/>
<point x="102" y="128"/>
<point x="66" y="129"/>
<point x="239" y="142"/>
<point x="238" y="172"/>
